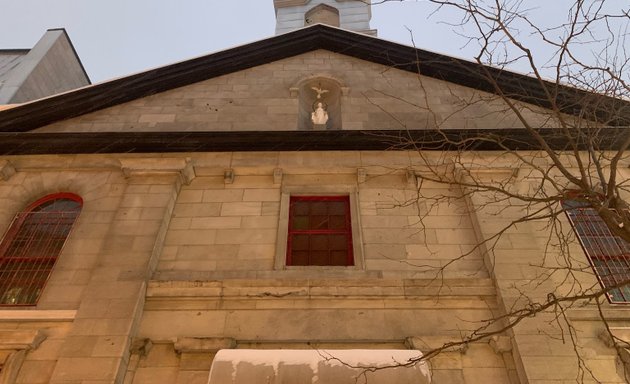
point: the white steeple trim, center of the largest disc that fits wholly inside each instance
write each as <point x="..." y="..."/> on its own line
<point x="354" y="15"/>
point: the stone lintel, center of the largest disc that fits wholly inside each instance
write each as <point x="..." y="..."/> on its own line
<point x="203" y="344"/>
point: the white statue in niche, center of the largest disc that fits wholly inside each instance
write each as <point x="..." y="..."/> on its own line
<point x="319" y="115"/>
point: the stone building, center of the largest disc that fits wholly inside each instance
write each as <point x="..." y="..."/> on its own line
<point x="51" y="66"/>
<point x="265" y="198"/>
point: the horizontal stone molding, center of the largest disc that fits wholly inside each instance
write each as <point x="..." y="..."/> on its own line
<point x="428" y="343"/>
<point x="363" y="293"/>
<point x="37" y="315"/>
<point x="203" y="344"/>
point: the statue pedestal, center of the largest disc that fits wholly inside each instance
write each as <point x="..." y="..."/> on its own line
<point x="319" y="127"/>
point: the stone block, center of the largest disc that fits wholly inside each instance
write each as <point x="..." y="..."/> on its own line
<point x="193" y="377"/>
<point x="259" y="222"/>
<point x="222" y="195"/>
<point x="78" y="346"/>
<point x="486" y="375"/>
<point x="197" y="210"/>
<point x="241" y="209"/>
<point x="191" y="237"/>
<point x="207" y="252"/>
<point x="256" y="251"/>
<point x="152" y="375"/>
<point x="70" y="369"/>
<point x="160" y="355"/>
<point x="110" y="346"/>
<point x="35" y="372"/>
<point x="261" y="195"/>
<point x="246" y="236"/>
<point x="215" y="222"/>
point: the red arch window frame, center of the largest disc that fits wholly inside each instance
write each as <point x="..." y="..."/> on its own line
<point x="31" y="246"/>
<point x="608" y="254"/>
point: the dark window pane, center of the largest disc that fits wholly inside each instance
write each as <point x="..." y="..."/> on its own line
<point x="338" y="258"/>
<point x="338" y="242"/>
<point x="337" y="208"/>
<point x="337" y="222"/>
<point x="300" y="242"/>
<point x="319" y="222"/>
<point x="299" y="258"/>
<point x="319" y="258"/>
<point x="319" y="242"/>
<point x="319" y="208"/>
<point x="300" y="222"/>
<point x="300" y="208"/>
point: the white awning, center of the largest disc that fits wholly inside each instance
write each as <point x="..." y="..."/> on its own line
<point x="291" y="366"/>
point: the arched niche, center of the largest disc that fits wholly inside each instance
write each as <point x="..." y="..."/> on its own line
<point x="330" y="92"/>
<point x="324" y="14"/>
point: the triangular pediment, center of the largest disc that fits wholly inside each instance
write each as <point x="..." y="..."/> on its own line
<point x="374" y="51"/>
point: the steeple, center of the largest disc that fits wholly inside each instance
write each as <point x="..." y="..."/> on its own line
<point x="353" y="15"/>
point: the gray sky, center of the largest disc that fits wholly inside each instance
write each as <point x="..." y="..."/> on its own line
<point x="119" y="37"/>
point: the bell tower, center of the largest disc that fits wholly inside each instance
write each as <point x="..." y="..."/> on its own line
<point x="353" y="15"/>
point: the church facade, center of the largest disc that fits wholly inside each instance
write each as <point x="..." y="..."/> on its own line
<point x="263" y="209"/>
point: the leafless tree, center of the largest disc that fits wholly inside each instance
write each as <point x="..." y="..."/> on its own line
<point x="574" y="112"/>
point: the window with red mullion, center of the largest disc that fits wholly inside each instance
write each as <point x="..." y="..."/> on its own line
<point x="31" y="246"/>
<point x="320" y="232"/>
<point x="608" y="254"/>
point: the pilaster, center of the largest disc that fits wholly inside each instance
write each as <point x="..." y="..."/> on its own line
<point x="98" y="346"/>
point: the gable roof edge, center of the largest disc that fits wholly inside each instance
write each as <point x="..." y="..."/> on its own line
<point x="38" y="113"/>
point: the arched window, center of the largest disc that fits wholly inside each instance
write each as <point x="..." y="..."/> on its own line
<point x="32" y="244"/>
<point x="608" y="254"/>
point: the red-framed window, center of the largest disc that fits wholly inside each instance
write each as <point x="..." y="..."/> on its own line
<point x="608" y="254"/>
<point x="31" y="246"/>
<point x="320" y="231"/>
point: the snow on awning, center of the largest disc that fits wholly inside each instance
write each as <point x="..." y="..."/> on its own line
<point x="352" y="366"/>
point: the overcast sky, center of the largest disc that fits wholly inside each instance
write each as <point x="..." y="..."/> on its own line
<point x="118" y="37"/>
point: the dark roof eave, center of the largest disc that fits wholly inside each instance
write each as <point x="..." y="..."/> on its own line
<point x="42" y="112"/>
<point x="19" y="143"/>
